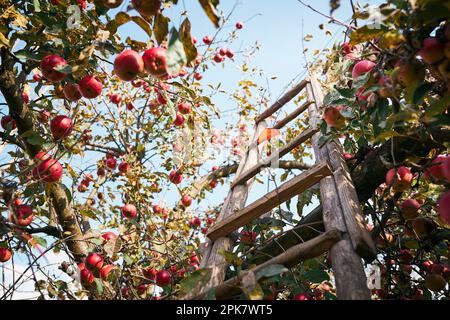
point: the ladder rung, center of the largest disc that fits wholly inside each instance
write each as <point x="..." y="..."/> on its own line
<point x="271" y="200"/>
<point x="245" y="176"/>
<point x="280" y="124"/>
<point x="292" y="256"/>
<point x="288" y="96"/>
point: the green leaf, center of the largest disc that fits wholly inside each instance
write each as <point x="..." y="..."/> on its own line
<point x="270" y="271"/>
<point x="161" y="28"/>
<point x="316" y="276"/>
<point x="185" y="36"/>
<point x="63" y="68"/>
<point x="421" y="92"/>
<point x="365" y="34"/>
<point x="176" y="56"/>
<point x="99" y="285"/>
<point x="36" y="5"/>
<point x="195" y="280"/>
<point x="33" y="138"/>
<point x="40" y="241"/>
<point x="438" y="106"/>
<point x="210" y="8"/>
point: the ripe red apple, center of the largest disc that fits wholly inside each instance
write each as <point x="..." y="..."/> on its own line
<point x="43" y="116"/>
<point x="157" y="209"/>
<point x="302" y="296"/>
<point x="90" y="86"/>
<point x="432" y="51"/>
<point x="5" y="254"/>
<point x="41" y="156"/>
<point x="248" y="237"/>
<point x="23" y="215"/>
<point x="25" y="97"/>
<point x="175" y="176"/>
<point x="410" y="208"/>
<point x="163" y="278"/>
<point x="115" y="98"/>
<point x="147" y="8"/>
<point x="218" y="58"/>
<point x="36" y="77"/>
<point x="198" y="76"/>
<point x="109" y="236"/>
<point x="435" y="282"/>
<point x="223" y="51"/>
<point x="49" y="170"/>
<point x="155" y="61"/>
<point x="333" y="117"/>
<point x="72" y="92"/>
<point x="446" y="168"/>
<point x="186" y="200"/>
<point x="48" y="65"/>
<point x="443" y="207"/>
<point x="94" y="261"/>
<point x="129" y="211"/>
<point x="179" y="120"/>
<point x="185" y="107"/>
<point x="105" y="271"/>
<point x="399" y="178"/>
<point x="124" y="167"/>
<point x="361" y="68"/>
<point x="239" y="25"/>
<point x="86" y="277"/>
<point x="213" y="184"/>
<point x="347" y="156"/>
<point x="435" y="172"/>
<point x="128" y="65"/>
<point x="82" y="188"/>
<point x="195" y="222"/>
<point x="111" y="163"/>
<point x="207" y="40"/>
<point x="8" y="122"/>
<point x="61" y="127"/>
<point x="149" y="273"/>
<point x="229" y="53"/>
<point x="112" y="4"/>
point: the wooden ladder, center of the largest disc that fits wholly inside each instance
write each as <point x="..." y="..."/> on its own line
<point x="345" y="234"/>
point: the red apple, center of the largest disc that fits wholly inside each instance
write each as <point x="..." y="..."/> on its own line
<point x="248" y="237"/>
<point x="229" y="53"/>
<point x="446" y="168"/>
<point x="175" y="176"/>
<point x="147" y="8"/>
<point x="86" y="277"/>
<point x="218" y="58"/>
<point x="361" y="68"/>
<point x="207" y="40"/>
<point x="432" y="51"/>
<point x="333" y="117"/>
<point x="179" y="120"/>
<point x="198" y="76"/>
<point x="43" y="116"/>
<point x="109" y="236"/>
<point x="23" y="215"/>
<point x="105" y="271"/>
<point x="124" y="167"/>
<point x="115" y="98"/>
<point x="72" y="92"/>
<point x="111" y="163"/>
<point x="61" y="127"/>
<point x="435" y="172"/>
<point x="301" y="296"/>
<point x="5" y="254"/>
<point x="185" y="108"/>
<point x="8" y="122"/>
<point x="157" y="209"/>
<point x="94" y="261"/>
<point x="25" y="97"/>
<point x="48" y="65"/>
<point x="410" y="208"/>
<point x="129" y="211"/>
<point x="91" y="86"/>
<point x="213" y="184"/>
<point x="155" y="61"/>
<point x="49" y="170"/>
<point x="128" y="65"/>
<point x="149" y="273"/>
<point x="443" y="207"/>
<point x="399" y="178"/>
<point x="239" y="25"/>
<point x="163" y="278"/>
<point x="186" y="200"/>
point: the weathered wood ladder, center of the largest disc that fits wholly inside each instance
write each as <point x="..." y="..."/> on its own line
<point x="345" y="234"/>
